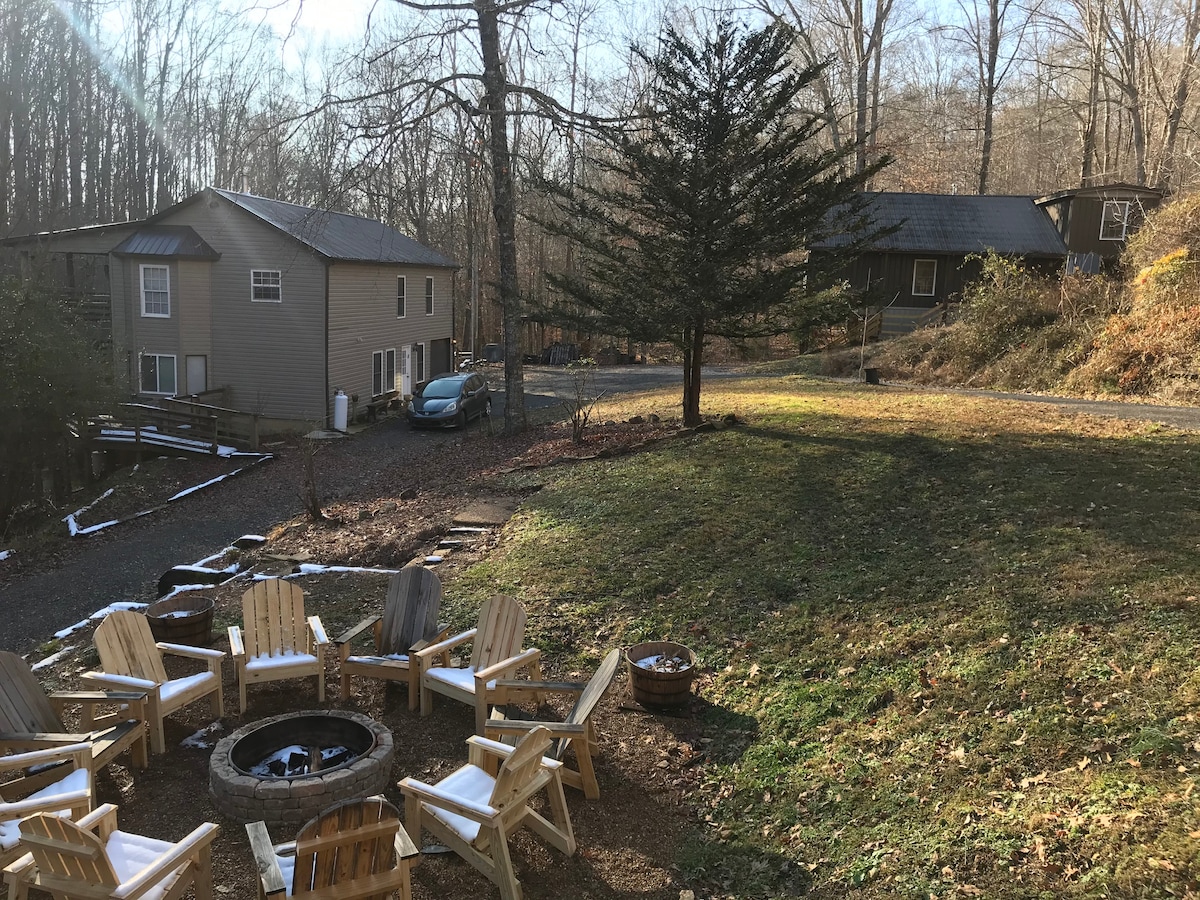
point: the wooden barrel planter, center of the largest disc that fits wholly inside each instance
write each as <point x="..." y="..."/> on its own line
<point x="661" y="673"/>
<point x="186" y="618"/>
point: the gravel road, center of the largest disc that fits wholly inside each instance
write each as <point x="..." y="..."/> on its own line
<point x="125" y="562"/>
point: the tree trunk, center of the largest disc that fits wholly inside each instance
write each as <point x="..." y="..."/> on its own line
<point x="693" y="358"/>
<point x="504" y="210"/>
<point x="991" y="58"/>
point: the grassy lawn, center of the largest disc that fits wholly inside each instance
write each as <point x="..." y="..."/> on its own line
<point x="952" y="641"/>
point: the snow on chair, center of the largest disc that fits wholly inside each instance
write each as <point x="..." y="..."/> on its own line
<point x="131" y="660"/>
<point x="276" y="640"/>
<point x="475" y="814"/>
<point x="42" y="785"/>
<point x="495" y="653"/>
<point x="409" y="623"/>
<point x="92" y="859"/>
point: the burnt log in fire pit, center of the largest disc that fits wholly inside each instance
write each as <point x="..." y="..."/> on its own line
<point x="285" y="769"/>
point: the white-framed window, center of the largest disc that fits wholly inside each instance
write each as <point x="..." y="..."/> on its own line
<point x="158" y="373"/>
<point x="924" y="277"/>
<point x="383" y="372"/>
<point x="156" y="292"/>
<point x="266" y="286"/>
<point x="1115" y="220"/>
<point x="401" y="298"/>
<point x="429" y="296"/>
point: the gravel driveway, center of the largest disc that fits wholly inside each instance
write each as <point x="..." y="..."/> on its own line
<point x="125" y="562"/>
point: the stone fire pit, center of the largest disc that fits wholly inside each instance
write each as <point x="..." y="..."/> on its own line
<point x="286" y="769"/>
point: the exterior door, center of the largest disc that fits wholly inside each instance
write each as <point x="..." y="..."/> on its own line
<point x="197" y="374"/>
<point x="406" y="382"/>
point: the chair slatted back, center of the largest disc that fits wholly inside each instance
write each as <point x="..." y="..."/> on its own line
<point x="348" y="842"/>
<point x="24" y="707"/>
<point x="501" y="631"/>
<point x="273" y="618"/>
<point x="410" y="613"/>
<point x="70" y="860"/>
<point x="126" y="647"/>
<point x="590" y="696"/>
<point x="522" y="772"/>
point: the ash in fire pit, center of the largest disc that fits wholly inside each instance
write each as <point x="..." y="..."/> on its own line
<point x="286" y="769"/>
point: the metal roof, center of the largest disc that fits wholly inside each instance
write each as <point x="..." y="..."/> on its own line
<point x="166" y="240"/>
<point x="339" y="236"/>
<point x="960" y="223"/>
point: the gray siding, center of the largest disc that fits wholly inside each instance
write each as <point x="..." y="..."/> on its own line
<point x="270" y="355"/>
<point x="362" y="318"/>
<point x="195" y="317"/>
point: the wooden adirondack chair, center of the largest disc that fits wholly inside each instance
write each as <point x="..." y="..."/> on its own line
<point x="474" y="814"/>
<point x="409" y="623"/>
<point x="29" y="720"/>
<point x="131" y="660"/>
<point x="279" y="641"/>
<point x="92" y="860"/>
<point x="576" y="731"/>
<point x="353" y="849"/>
<point x="495" y="652"/>
<point x="42" y="784"/>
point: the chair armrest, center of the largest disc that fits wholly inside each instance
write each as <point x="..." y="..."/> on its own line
<point x="92" y="698"/>
<point x="524" y="658"/>
<point x="442" y="646"/>
<point x="96" y="817"/>
<point x="439" y="635"/>
<point x="350" y="634"/>
<point x="545" y="687"/>
<point x="270" y="876"/>
<point x="203" y="653"/>
<point x="20" y="809"/>
<point x="318" y="630"/>
<point x="520" y="726"/>
<point x="503" y="751"/>
<point x="237" y="647"/>
<point x="40" y="757"/>
<point x="199" y="839"/>
<point x="443" y="799"/>
<point x="404" y="846"/>
<point x="36" y="740"/>
<point x="126" y="682"/>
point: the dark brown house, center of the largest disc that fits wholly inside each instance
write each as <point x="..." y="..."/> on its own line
<point x="1095" y="222"/>
<point x="924" y="261"/>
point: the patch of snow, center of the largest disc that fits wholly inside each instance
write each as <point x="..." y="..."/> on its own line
<point x="314" y="569"/>
<point x="155" y="438"/>
<point x="51" y="659"/>
<point x="5" y="554"/>
<point x="201" y="487"/>
<point x="434" y="558"/>
<point x="200" y="740"/>
<point x="91" y="529"/>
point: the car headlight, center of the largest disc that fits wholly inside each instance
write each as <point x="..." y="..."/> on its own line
<point x="451" y="406"/>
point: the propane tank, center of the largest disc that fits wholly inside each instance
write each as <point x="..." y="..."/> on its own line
<point x="341" y="405"/>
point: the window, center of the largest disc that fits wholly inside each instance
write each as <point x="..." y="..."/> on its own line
<point x="401" y="289"/>
<point x="924" y="277"/>
<point x="1115" y="220"/>
<point x="266" y="286"/>
<point x="158" y="373"/>
<point x="156" y="292"/>
<point x="429" y="296"/>
<point x="383" y="372"/>
<point x="419" y="362"/>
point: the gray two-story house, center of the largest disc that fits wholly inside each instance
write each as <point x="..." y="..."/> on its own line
<point x="276" y="305"/>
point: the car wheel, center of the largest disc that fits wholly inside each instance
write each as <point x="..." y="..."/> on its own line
<point x="460" y="420"/>
<point x="487" y="408"/>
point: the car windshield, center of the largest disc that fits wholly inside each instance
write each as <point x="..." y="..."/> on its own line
<point x="442" y="389"/>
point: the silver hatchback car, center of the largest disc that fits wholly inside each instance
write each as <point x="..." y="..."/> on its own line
<point x="449" y="401"/>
